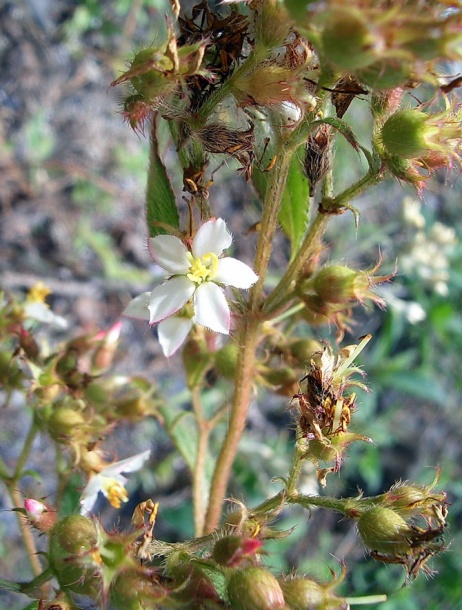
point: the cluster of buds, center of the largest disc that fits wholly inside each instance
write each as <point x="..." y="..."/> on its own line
<point x="324" y="411"/>
<point x="387" y="46"/>
<point x="332" y="292"/>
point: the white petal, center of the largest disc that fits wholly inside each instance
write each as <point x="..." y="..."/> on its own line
<point x="138" y="307"/>
<point x="172" y="333"/>
<point x="169" y="252"/>
<point x="211" y="309"/>
<point x="213" y="236"/>
<point x="168" y="298"/>
<point x="128" y="465"/>
<point x="36" y="310"/>
<point x="232" y="272"/>
<point x="90" y="494"/>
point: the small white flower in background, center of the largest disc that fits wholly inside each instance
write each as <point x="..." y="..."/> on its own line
<point x="36" y="309"/>
<point x="111" y="482"/>
<point x="197" y="274"/>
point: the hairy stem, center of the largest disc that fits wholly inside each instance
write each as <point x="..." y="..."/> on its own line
<point x="248" y="341"/>
<point x="199" y="484"/>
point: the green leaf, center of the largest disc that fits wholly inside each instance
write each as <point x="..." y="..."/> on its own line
<point x="293" y="215"/>
<point x="160" y="199"/>
<point x="10" y="585"/>
<point x="415" y="384"/>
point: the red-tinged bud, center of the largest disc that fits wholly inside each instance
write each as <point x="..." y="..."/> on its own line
<point x="136" y="589"/>
<point x="73" y="555"/>
<point x="254" y="588"/>
<point x="233" y="550"/>
<point x="307" y="594"/>
<point x="384" y="530"/>
<point x="349" y="39"/>
<point x="28" y="344"/>
<point x="40" y="515"/>
<point x="136" y="110"/>
<point x="104" y="353"/>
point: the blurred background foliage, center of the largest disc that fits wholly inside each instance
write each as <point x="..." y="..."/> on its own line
<point x="72" y="215"/>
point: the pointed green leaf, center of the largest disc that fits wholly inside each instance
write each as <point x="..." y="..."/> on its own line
<point x="293" y="215"/>
<point x="160" y="199"/>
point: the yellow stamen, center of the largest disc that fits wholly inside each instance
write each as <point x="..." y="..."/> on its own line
<point x="38" y="293"/>
<point x="202" y="269"/>
<point x="115" y="492"/>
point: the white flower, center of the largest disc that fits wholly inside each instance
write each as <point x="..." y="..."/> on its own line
<point x="196" y="274"/>
<point x="111" y="482"/>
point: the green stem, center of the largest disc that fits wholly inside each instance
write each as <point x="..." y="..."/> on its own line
<point x="198" y="484"/>
<point x="248" y="340"/>
<point x="24" y="527"/>
<point x="25" y="451"/>
<point x="307" y="249"/>
<point x="295" y="468"/>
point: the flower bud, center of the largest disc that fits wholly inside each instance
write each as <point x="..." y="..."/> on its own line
<point x="66" y="420"/>
<point x="40" y="515"/>
<point x="271" y="24"/>
<point x="385" y="74"/>
<point x="283" y="380"/>
<point x="339" y="284"/>
<point x="405" y="133"/>
<point x="136" y="589"/>
<point x="10" y="371"/>
<point x="226" y="360"/>
<point x="383" y="530"/>
<point x="191" y="579"/>
<point x="413" y="134"/>
<point x="254" y="588"/>
<point x="307" y="594"/>
<point x="232" y="550"/>
<point x="72" y="554"/>
<point x="349" y="41"/>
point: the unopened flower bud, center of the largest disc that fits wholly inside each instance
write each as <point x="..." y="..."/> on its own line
<point x="190" y="580"/>
<point x="349" y="41"/>
<point x="384" y="530"/>
<point x="307" y="594"/>
<point x="232" y="550"/>
<point x="411" y="133"/>
<point x="271" y="24"/>
<point x="40" y="515"/>
<point x="254" y="588"/>
<point x="339" y="284"/>
<point x="73" y="554"/>
<point x="136" y="589"/>
<point x="66" y="421"/>
<point x="226" y="360"/>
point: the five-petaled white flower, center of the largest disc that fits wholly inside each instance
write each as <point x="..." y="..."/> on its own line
<point x="111" y="482"/>
<point x="197" y="274"/>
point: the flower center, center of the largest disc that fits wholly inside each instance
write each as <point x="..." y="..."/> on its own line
<point x="202" y="269"/>
<point x="115" y="492"/>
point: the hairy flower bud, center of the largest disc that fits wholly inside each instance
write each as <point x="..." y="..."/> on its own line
<point x="226" y="360"/>
<point x="307" y="594"/>
<point x="411" y="133"/>
<point x="66" y="420"/>
<point x="232" y="550"/>
<point x="73" y="542"/>
<point x="349" y="41"/>
<point x="136" y="589"/>
<point x="383" y="530"/>
<point x="254" y="588"/>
